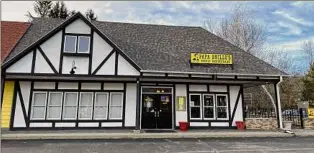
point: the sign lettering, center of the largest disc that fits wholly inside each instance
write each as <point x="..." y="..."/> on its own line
<point x="200" y="58"/>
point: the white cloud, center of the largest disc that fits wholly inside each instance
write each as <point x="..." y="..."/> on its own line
<point x="15" y="10"/>
<point x="293" y="45"/>
<point x="292" y="29"/>
<point x="298" y="20"/>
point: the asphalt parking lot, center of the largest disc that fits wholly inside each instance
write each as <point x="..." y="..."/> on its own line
<point x="223" y="145"/>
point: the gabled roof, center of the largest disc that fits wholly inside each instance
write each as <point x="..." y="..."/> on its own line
<point x="160" y="47"/>
<point x="11" y="32"/>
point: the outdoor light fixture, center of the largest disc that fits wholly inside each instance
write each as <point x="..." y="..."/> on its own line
<point x="73" y="68"/>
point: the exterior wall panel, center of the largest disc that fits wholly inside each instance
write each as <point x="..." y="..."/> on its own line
<point x="52" y="48"/>
<point x="78" y="26"/>
<point x="130" y="105"/>
<point x="7" y="104"/>
<point x="181" y="115"/>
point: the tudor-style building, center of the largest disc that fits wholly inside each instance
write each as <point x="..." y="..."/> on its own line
<point x="77" y="73"/>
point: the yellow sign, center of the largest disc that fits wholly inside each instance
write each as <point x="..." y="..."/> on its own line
<point x="200" y="58"/>
<point x="310" y="112"/>
<point x="181" y="106"/>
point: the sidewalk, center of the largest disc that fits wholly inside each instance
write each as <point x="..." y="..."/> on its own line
<point x="129" y="134"/>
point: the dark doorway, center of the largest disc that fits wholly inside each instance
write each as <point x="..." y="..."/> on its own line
<point x="156" y="111"/>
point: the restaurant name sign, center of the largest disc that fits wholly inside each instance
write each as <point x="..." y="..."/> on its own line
<point x="201" y="58"/>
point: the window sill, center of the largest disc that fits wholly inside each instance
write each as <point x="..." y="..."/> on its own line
<point x="76" y="54"/>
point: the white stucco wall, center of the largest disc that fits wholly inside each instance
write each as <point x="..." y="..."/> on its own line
<point x="18" y="115"/>
<point x="52" y="48"/>
<point x="78" y="26"/>
<point x="125" y="68"/>
<point x="41" y="65"/>
<point x="109" y="67"/>
<point x="193" y="87"/>
<point x="130" y="105"/>
<point x="101" y="49"/>
<point x="181" y="115"/>
<point x="24" y="65"/>
<point x="81" y="64"/>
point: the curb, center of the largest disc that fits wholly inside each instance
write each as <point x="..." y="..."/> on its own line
<point x="89" y="136"/>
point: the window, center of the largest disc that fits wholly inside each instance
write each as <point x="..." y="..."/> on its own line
<point x="74" y="105"/>
<point x="83" y="46"/>
<point x="54" y="105"/>
<point x="222" y="106"/>
<point x="101" y="105"/>
<point x="70" y="44"/>
<point x="86" y="105"/>
<point x="208" y="106"/>
<point x="115" y="110"/>
<point x="195" y="106"/>
<point x="70" y="105"/>
<point x="39" y="105"/>
<point x="76" y="44"/>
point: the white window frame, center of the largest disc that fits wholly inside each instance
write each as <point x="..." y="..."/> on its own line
<point x="214" y="106"/>
<point x="78" y="46"/>
<point x="75" y="50"/>
<point x="114" y="106"/>
<point x="48" y="105"/>
<point x="63" y="118"/>
<point x="107" y="106"/>
<point x="227" y="107"/>
<point x="45" y="106"/>
<point x="200" y="107"/>
<point x="80" y="105"/>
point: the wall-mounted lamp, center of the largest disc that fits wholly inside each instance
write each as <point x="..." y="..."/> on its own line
<point x="73" y="68"/>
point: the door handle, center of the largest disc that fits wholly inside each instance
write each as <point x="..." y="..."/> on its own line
<point x="155" y="113"/>
<point x="158" y="114"/>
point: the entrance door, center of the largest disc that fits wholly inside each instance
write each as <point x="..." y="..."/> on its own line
<point x="156" y="111"/>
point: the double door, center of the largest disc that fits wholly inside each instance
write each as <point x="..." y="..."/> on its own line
<point x="156" y="111"/>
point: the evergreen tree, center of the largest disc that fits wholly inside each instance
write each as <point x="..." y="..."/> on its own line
<point x="59" y="10"/>
<point x="41" y="8"/>
<point x="308" y="87"/>
<point x="90" y="15"/>
<point x="56" y="10"/>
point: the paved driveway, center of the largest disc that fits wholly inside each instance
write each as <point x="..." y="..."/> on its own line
<point x="224" y="145"/>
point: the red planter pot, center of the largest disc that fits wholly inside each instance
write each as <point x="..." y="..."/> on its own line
<point x="184" y="126"/>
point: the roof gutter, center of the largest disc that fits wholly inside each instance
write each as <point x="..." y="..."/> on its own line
<point x="225" y="74"/>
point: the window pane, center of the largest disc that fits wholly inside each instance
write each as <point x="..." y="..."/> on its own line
<point x="115" y="112"/>
<point x="195" y="112"/>
<point x="208" y="112"/>
<point x="116" y="100"/>
<point x="70" y="99"/>
<point x="69" y="112"/>
<point x="101" y="99"/>
<point x="38" y="112"/>
<point x="208" y="100"/>
<point x="54" y="112"/>
<point x="40" y="99"/>
<point x="83" y="45"/>
<point x="195" y="100"/>
<point x="70" y="44"/>
<point x="221" y="101"/>
<point x="100" y="112"/>
<point x="55" y="99"/>
<point x="221" y="112"/>
<point x="85" y="112"/>
<point x="86" y="99"/>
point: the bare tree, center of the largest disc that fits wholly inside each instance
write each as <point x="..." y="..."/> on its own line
<point x="240" y="29"/>
<point x="308" y="50"/>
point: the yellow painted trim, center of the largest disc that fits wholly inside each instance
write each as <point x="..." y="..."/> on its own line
<point x="7" y="102"/>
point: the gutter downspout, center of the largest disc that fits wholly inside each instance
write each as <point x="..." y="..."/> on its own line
<point x="279" y="103"/>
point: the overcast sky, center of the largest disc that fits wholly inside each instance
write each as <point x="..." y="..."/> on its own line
<point x="288" y="23"/>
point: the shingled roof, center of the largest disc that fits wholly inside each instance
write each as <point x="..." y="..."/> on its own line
<point x="160" y="47"/>
<point x="11" y="32"/>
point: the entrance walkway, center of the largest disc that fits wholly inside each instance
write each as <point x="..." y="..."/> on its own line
<point x="129" y="134"/>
